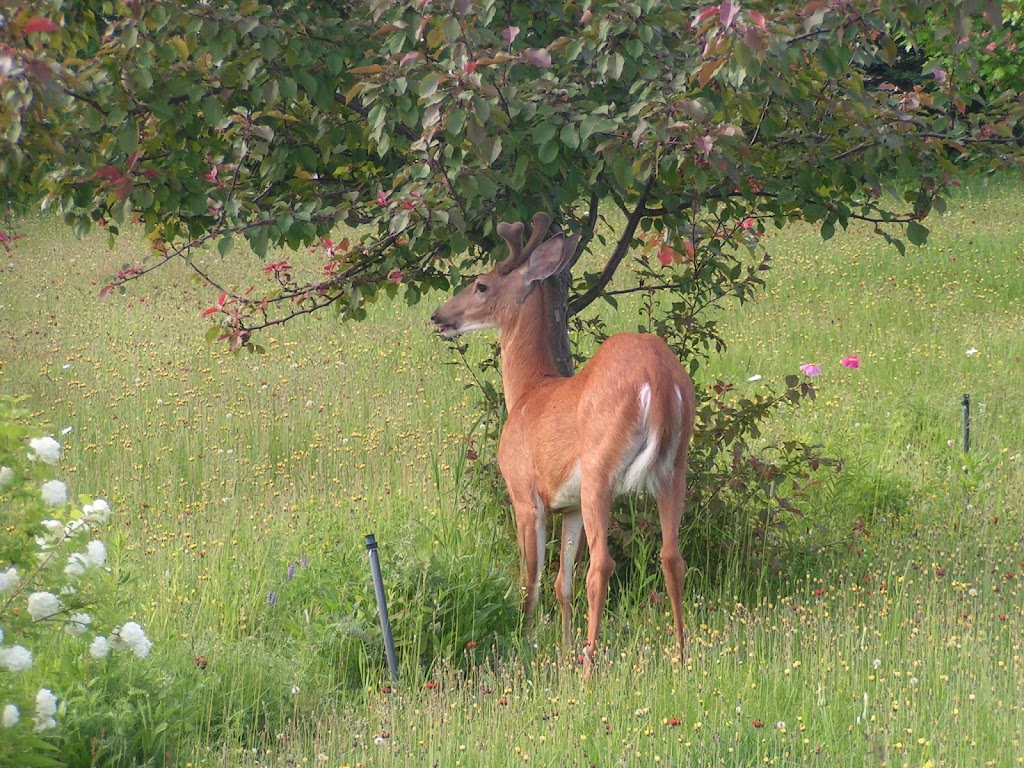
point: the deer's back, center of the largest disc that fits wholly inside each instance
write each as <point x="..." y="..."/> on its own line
<point x="624" y="414"/>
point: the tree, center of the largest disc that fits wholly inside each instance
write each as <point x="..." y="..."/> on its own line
<point x="422" y="124"/>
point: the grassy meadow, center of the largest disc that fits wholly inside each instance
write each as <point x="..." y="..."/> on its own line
<point x="243" y="486"/>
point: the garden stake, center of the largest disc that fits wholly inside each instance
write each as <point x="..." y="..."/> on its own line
<point x="967" y="423"/>
<point x="382" y="607"/>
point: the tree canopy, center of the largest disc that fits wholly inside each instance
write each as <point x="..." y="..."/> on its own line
<point x="422" y="124"/>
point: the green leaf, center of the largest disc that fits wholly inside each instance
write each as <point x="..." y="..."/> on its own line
<point x="828" y="229"/>
<point x="455" y="122"/>
<point x="569" y="136"/>
<point x="548" y="153"/>
<point x="451" y="29"/>
<point x="225" y="244"/>
<point x="543" y="133"/>
<point x="128" y="137"/>
<point x="917" y="233"/>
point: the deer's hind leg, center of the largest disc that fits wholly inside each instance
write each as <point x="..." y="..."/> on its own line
<point x="671" y="504"/>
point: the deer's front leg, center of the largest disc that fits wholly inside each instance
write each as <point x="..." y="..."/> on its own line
<point x="531" y="530"/>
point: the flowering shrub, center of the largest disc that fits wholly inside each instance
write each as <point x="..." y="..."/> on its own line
<point x="52" y="582"/>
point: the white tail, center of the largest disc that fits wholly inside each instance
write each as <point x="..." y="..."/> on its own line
<point x="571" y="444"/>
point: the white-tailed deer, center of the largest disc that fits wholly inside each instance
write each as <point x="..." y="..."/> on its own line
<point x="571" y="444"/>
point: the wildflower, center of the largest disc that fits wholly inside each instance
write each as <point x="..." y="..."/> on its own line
<point x="6" y="476"/>
<point x="296" y="690"/>
<point x="850" y="361"/>
<point x="971" y="352"/>
<point x="134" y="637"/>
<point x="46" y="708"/>
<point x="876" y="663"/>
<point x="96" y="553"/>
<point x="44" y="449"/>
<point x="99" y="648"/>
<point x="17" y="658"/>
<point x="11" y="716"/>
<point x="291" y="570"/>
<point x="781" y="725"/>
<point x="755" y="377"/>
<point x="42" y="605"/>
<point x="810" y="369"/>
<point x="271" y="598"/>
<point x="9" y="580"/>
<point x="757" y="723"/>
<point x="78" y="623"/>
<point x="55" y="493"/>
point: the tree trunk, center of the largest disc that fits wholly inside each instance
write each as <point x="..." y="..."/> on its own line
<point x="556" y="289"/>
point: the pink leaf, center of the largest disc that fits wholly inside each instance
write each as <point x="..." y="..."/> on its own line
<point x="757" y="18"/>
<point x="509" y="34"/>
<point x="667" y="256"/>
<point x="705" y="14"/>
<point x="727" y="13"/>
<point x="396" y="276"/>
<point x="704" y="144"/>
<point x="40" y="24"/>
<point x="538" y="57"/>
<point x="412" y="56"/>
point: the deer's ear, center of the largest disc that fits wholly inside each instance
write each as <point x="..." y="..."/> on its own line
<point x="550" y="258"/>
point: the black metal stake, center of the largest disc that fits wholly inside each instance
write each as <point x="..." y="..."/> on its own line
<point x="967" y="423"/>
<point x="382" y="607"/>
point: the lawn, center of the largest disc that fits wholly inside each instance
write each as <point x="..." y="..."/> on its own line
<point x="887" y="630"/>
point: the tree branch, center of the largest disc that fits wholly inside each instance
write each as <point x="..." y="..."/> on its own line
<point x="586" y="298"/>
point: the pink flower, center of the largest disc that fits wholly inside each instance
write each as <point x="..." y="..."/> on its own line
<point x="810" y="369"/>
<point x="850" y="361"/>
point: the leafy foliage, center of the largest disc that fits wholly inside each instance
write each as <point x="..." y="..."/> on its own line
<point x="422" y="125"/>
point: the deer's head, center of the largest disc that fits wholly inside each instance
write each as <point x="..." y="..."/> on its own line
<point x="491" y="300"/>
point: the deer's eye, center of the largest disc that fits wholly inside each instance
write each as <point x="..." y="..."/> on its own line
<point x="481" y="287"/>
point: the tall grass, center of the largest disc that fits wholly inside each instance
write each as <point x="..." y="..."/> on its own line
<point x="244" y="486"/>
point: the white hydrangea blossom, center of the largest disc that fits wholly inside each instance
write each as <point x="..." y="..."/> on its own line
<point x="98" y="511"/>
<point x="9" y="580"/>
<point x="55" y="493"/>
<point x="78" y="623"/>
<point x="99" y="648"/>
<point x="96" y="553"/>
<point x="6" y="476"/>
<point x="132" y="635"/>
<point x="44" y="449"/>
<point x="11" y="716"/>
<point x="76" y="565"/>
<point x="46" y="708"/>
<point x="42" y="605"/>
<point x="17" y="658"/>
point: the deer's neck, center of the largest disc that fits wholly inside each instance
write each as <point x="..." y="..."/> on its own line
<point x="534" y="344"/>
